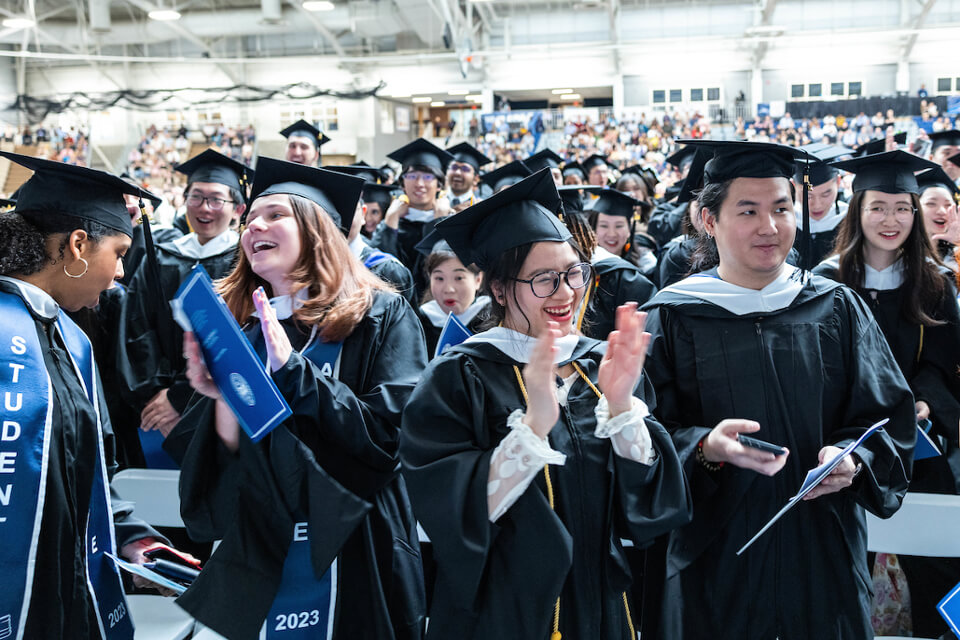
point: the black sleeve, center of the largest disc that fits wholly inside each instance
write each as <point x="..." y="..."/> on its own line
<point x="393" y="272"/>
<point x="386" y="239"/>
<point x="936" y="379"/>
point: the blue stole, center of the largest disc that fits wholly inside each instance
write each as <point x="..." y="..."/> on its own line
<point x="24" y="455"/>
<point x="376" y="257"/>
<point x="304" y="605"/>
<point x="154" y="456"/>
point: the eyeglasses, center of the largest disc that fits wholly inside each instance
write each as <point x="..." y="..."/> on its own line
<point x="214" y="203"/>
<point x="457" y="167"/>
<point x="413" y="177"/>
<point x="546" y="284"/>
<point x="902" y="212"/>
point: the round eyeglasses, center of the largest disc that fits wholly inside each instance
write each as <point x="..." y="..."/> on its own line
<point x="546" y="284"/>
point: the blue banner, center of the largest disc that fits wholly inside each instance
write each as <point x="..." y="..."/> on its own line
<point x="240" y="375"/>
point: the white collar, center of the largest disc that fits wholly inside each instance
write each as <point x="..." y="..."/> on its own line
<point x="438" y="317"/>
<point x="357" y="245"/>
<point x="884" y="280"/>
<point x="190" y="247"/>
<point x="463" y="197"/>
<point x="828" y="222"/>
<point x="418" y="215"/>
<point x="600" y="254"/>
<point x="39" y="300"/>
<point x="738" y="300"/>
<point x="286" y="305"/>
<point x="517" y="346"/>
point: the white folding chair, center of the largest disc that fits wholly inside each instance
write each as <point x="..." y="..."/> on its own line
<point x="156" y="493"/>
<point x="925" y="525"/>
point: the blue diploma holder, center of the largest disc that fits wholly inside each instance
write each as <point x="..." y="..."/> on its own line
<point x="949" y="609"/>
<point x="235" y="367"/>
<point x="453" y="333"/>
<point x="926" y="447"/>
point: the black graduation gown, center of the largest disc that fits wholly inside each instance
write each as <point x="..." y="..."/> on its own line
<point x="336" y="462"/>
<point x="401" y="242"/>
<point x="821" y="244"/>
<point x="138" y="248"/>
<point x="618" y="282"/>
<point x="392" y="272"/>
<point x="61" y="606"/>
<point x="813" y="374"/>
<point x="150" y="352"/>
<point x="675" y="259"/>
<point x="501" y="580"/>
<point x="432" y="332"/>
<point x="666" y="222"/>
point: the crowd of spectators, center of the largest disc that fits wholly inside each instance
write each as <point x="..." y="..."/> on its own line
<point x="70" y="145"/>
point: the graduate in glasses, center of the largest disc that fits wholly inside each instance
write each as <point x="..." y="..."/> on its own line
<point x="529" y="451"/>
<point x="883" y="252"/>
<point x="149" y="356"/>
<point x="754" y="346"/>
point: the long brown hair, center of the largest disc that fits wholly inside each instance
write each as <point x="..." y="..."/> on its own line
<point x="340" y="288"/>
<point x="922" y="282"/>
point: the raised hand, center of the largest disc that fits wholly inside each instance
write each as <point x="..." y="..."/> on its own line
<point x="622" y="365"/>
<point x="278" y="344"/>
<point x="398" y="209"/>
<point x="722" y="446"/>
<point x="540" y="379"/>
<point x="197" y="373"/>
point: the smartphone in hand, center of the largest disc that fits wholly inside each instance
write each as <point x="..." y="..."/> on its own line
<point x="760" y="445"/>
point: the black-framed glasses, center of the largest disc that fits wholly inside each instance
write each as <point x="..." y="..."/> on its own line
<point x="213" y="202"/>
<point x="546" y="284"/>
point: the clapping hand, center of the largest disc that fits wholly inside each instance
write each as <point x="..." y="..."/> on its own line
<point x="622" y="365"/>
<point x="278" y="344"/>
<point x="540" y="379"/>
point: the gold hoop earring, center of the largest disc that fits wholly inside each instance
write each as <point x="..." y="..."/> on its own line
<point x="86" y="265"/>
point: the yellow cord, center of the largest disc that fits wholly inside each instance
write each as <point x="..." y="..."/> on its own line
<point x="626" y="606"/>
<point x="920" y="348"/>
<point x="586" y="301"/>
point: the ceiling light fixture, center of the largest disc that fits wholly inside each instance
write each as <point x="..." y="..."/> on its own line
<point x="458" y="92"/>
<point x="558" y="92"/>
<point x="474" y="97"/>
<point x="438" y="103"/>
<point x="318" y="5"/>
<point x="18" y="22"/>
<point x="571" y="96"/>
<point x="423" y="99"/>
<point x="164" y="15"/>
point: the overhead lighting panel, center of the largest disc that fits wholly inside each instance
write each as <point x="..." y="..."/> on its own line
<point x="164" y="15"/>
<point x="318" y="5"/>
<point x="18" y="22"/>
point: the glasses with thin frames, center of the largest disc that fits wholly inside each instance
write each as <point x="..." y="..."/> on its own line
<point x="900" y="212"/>
<point x="546" y="284"/>
<point x="214" y="203"/>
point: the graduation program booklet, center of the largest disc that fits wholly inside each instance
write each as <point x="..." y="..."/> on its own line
<point x="235" y="367"/>
<point x="814" y="477"/>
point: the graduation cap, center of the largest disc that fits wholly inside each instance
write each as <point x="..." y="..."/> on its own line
<point x="889" y="172"/>
<point x="694" y="179"/>
<point x="385" y="169"/>
<point x="944" y="139"/>
<point x="126" y="177"/>
<point x="509" y="174"/>
<point x="368" y="173"/>
<point x="382" y="194"/>
<point x="523" y="214"/>
<point x="211" y="166"/>
<point x="819" y="168"/>
<point x="303" y="129"/>
<point x="593" y="161"/>
<point x="546" y="158"/>
<point x="75" y="191"/>
<point x="468" y="154"/>
<point x="432" y="243"/>
<point x="955" y="159"/>
<point x="648" y="174"/>
<point x="937" y="178"/>
<point x="574" y="168"/>
<point x="572" y="196"/>
<point x="682" y="157"/>
<point x="616" y="203"/>
<point x="336" y="193"/>
<point x="423" y="153"/>
<point x="6" y="203"/>
<point x="877" y="146"/>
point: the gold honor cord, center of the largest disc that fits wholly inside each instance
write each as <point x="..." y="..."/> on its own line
<point x="555" y="634"/>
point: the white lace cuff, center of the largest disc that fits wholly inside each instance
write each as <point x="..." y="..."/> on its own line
<point x="627" y="432"/>
<point x="514" y="464"/>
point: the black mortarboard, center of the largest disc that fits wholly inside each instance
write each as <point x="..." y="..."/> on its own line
<point x="593" y="161"/>
<point x="362" y="163"/>
<point x="877" y="146"/>
<point x="523" y="214"/>
<point x="615" y="203"/>
<point x="468" y="154"/>
<point x="368" y="173"/>
<point x="889" y="172"/>
<point x="937" y="178"/>
<point x="75" y="191"/>
<point x="211" y="166"/>
<point x="574" y="168"/>
<point x="336" y="193"/>
<point x="541" y="159"/>
<point x="694" y="180"/>
<point x="6" y="203"/>
<point x="955" y="159"/>
<point x="682" y="157"/>
<point x="126" y="177"/>
<point x="303" y="129"/>
<point x="423" y="153"/>
<point x="649" y="174"/>
<point x="509" y="174"/>
<point x="572" y="196"/>
<point x="819" y="168"/>
<point x="383" y="169"/>
<point x="944" y="138"/>
<point x="382" y="194"/>
<point x="432" y="243"/>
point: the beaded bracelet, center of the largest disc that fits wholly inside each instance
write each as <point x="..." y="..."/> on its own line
<point x="702" y="459"/>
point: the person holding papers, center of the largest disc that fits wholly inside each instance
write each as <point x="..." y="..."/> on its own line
<point x="529" y="450"/>
<point x="884" y="254"/>
<point x="62" y="247"/>
<point x="316" y="526"/>
<point x="756" y="347"/>
<point x="453" y="290"/>
<point x="148" y="354"/>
